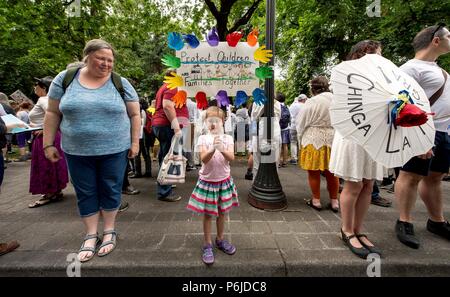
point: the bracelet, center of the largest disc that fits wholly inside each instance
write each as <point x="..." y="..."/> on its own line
<point x="47" y="146"/>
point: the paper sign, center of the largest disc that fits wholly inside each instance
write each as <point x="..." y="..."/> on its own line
<point x="10" y="119"/>
<point x="18" y="96"/>
<point x="210" y="69"/>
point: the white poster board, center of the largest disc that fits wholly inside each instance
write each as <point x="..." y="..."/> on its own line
<point x="211" y="69"/>
<point x="9" y="119"/>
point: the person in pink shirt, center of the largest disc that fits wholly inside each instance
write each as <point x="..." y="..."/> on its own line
<point x="215" y="193"/>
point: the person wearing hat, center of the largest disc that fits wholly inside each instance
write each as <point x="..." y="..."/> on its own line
<point x="46" y="178"/>
<point x="294" y="109"/>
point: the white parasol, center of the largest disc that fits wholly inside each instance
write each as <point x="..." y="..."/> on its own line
<point x="364" y="91"/>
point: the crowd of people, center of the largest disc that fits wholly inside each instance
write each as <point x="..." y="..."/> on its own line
<point x="97" y="130"/>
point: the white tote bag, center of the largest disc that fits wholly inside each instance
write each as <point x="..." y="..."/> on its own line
<point x="173" y="167"/>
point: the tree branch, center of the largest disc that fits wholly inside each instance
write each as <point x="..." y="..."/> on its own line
<point x="212" y="7"/>
<point x="244" y="19"/>
<point x="68" y="3"/>
<point x="225" y="6"/>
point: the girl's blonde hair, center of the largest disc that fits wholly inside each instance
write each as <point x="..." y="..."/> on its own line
<point x="215" y="111"/>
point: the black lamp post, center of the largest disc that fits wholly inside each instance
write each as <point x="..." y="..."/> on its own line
<point x="266" y="191"/>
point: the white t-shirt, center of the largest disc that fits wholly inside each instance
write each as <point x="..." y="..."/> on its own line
<point x="37" y="114"/>
<point x="430" y="78"/>
<point x="294" y="109"/>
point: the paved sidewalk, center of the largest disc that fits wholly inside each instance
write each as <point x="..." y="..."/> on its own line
<point x="164" y="239"/>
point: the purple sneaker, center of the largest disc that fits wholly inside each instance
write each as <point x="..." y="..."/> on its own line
<point x="208" y="256"/>
<point x="225" y="247"/>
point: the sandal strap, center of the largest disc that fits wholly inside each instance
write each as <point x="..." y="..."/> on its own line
<point x="90" y="236"/>
<point x="106" y="232"/>
<point x="87" y="249"/>
<point x="361" y="235"/>
<point x="113" y="242"/>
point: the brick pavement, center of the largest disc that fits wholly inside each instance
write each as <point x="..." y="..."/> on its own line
<point x="163" y="239"/>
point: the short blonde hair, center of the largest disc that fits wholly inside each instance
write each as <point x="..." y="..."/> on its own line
<point x="95" y="45"/>
<point x="215" y="111"/>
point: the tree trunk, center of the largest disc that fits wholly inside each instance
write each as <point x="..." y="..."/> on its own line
<point x="223" y="14"/>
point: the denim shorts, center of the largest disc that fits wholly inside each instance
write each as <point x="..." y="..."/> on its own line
<point x="97" y="181"/>
<point x="285" y="136"/>
<point x="440" y="162"/>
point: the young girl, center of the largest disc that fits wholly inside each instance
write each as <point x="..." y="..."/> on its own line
<point x="215" y="193"/>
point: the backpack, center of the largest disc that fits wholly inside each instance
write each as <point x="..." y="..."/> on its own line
<point x="285" y="117"/>
<point x="72" y="72"/>
<point x="148" y="122"/>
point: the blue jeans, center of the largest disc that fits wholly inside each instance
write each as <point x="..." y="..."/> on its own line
<point x="97" y="181"/>
<point x="164" y="135"/>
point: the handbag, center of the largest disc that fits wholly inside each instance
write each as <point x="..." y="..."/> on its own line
<point x="173" y="167"/>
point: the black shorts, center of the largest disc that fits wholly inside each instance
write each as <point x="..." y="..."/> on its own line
<point x="440" y="162"/>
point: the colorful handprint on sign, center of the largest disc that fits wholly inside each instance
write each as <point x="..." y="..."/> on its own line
<point x="212" y="37"/>
<point x="180" y="99"/>
<point x="192" y="40"/>
<point x="222" y="98"/>
<point x="263" y="55"/>
<point x="252" y="37"/>
<point x="175" y="41"/>
<point x="259" y="97"/>
<point x="171" y="61"/>
<point x="241" y="98"/>
<point x="201" y="100"/>
<point x="173" y="81"/>
<point x="264" y="72"/>
<point x="233" y="38"/>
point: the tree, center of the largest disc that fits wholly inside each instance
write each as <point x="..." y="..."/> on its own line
<point x="229" y="17"/>
<point x="314" y="35"/>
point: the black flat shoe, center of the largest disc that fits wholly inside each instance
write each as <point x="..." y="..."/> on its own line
<point x="333" y="209"/>
<point x="405" y="233"/>
<point x="360" y="252"/>
<point x="372" y="249"/>
<point x="311" y="204"/>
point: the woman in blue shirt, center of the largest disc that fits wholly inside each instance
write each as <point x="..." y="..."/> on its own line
<point x="95" y="123"/>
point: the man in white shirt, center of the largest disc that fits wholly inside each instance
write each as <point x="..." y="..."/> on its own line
<point x="295" y="109"/>
<point x="424" y="173"/>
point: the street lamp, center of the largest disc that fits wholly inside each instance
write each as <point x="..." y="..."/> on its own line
<point x="266" y="191"/>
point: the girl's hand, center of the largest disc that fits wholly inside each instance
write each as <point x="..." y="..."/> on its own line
<point x="218" y="143"/>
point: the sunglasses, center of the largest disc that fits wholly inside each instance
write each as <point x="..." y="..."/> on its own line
<point x="439" y="27"/>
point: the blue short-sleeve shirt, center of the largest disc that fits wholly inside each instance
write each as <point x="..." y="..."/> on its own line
<point x="94" y="121"/>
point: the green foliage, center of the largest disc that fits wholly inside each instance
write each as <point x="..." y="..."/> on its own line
<point x="38" y="38"/>
<point x="314" y="35"/>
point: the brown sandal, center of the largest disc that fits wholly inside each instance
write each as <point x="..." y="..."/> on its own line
<point x="45" y="199"/>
